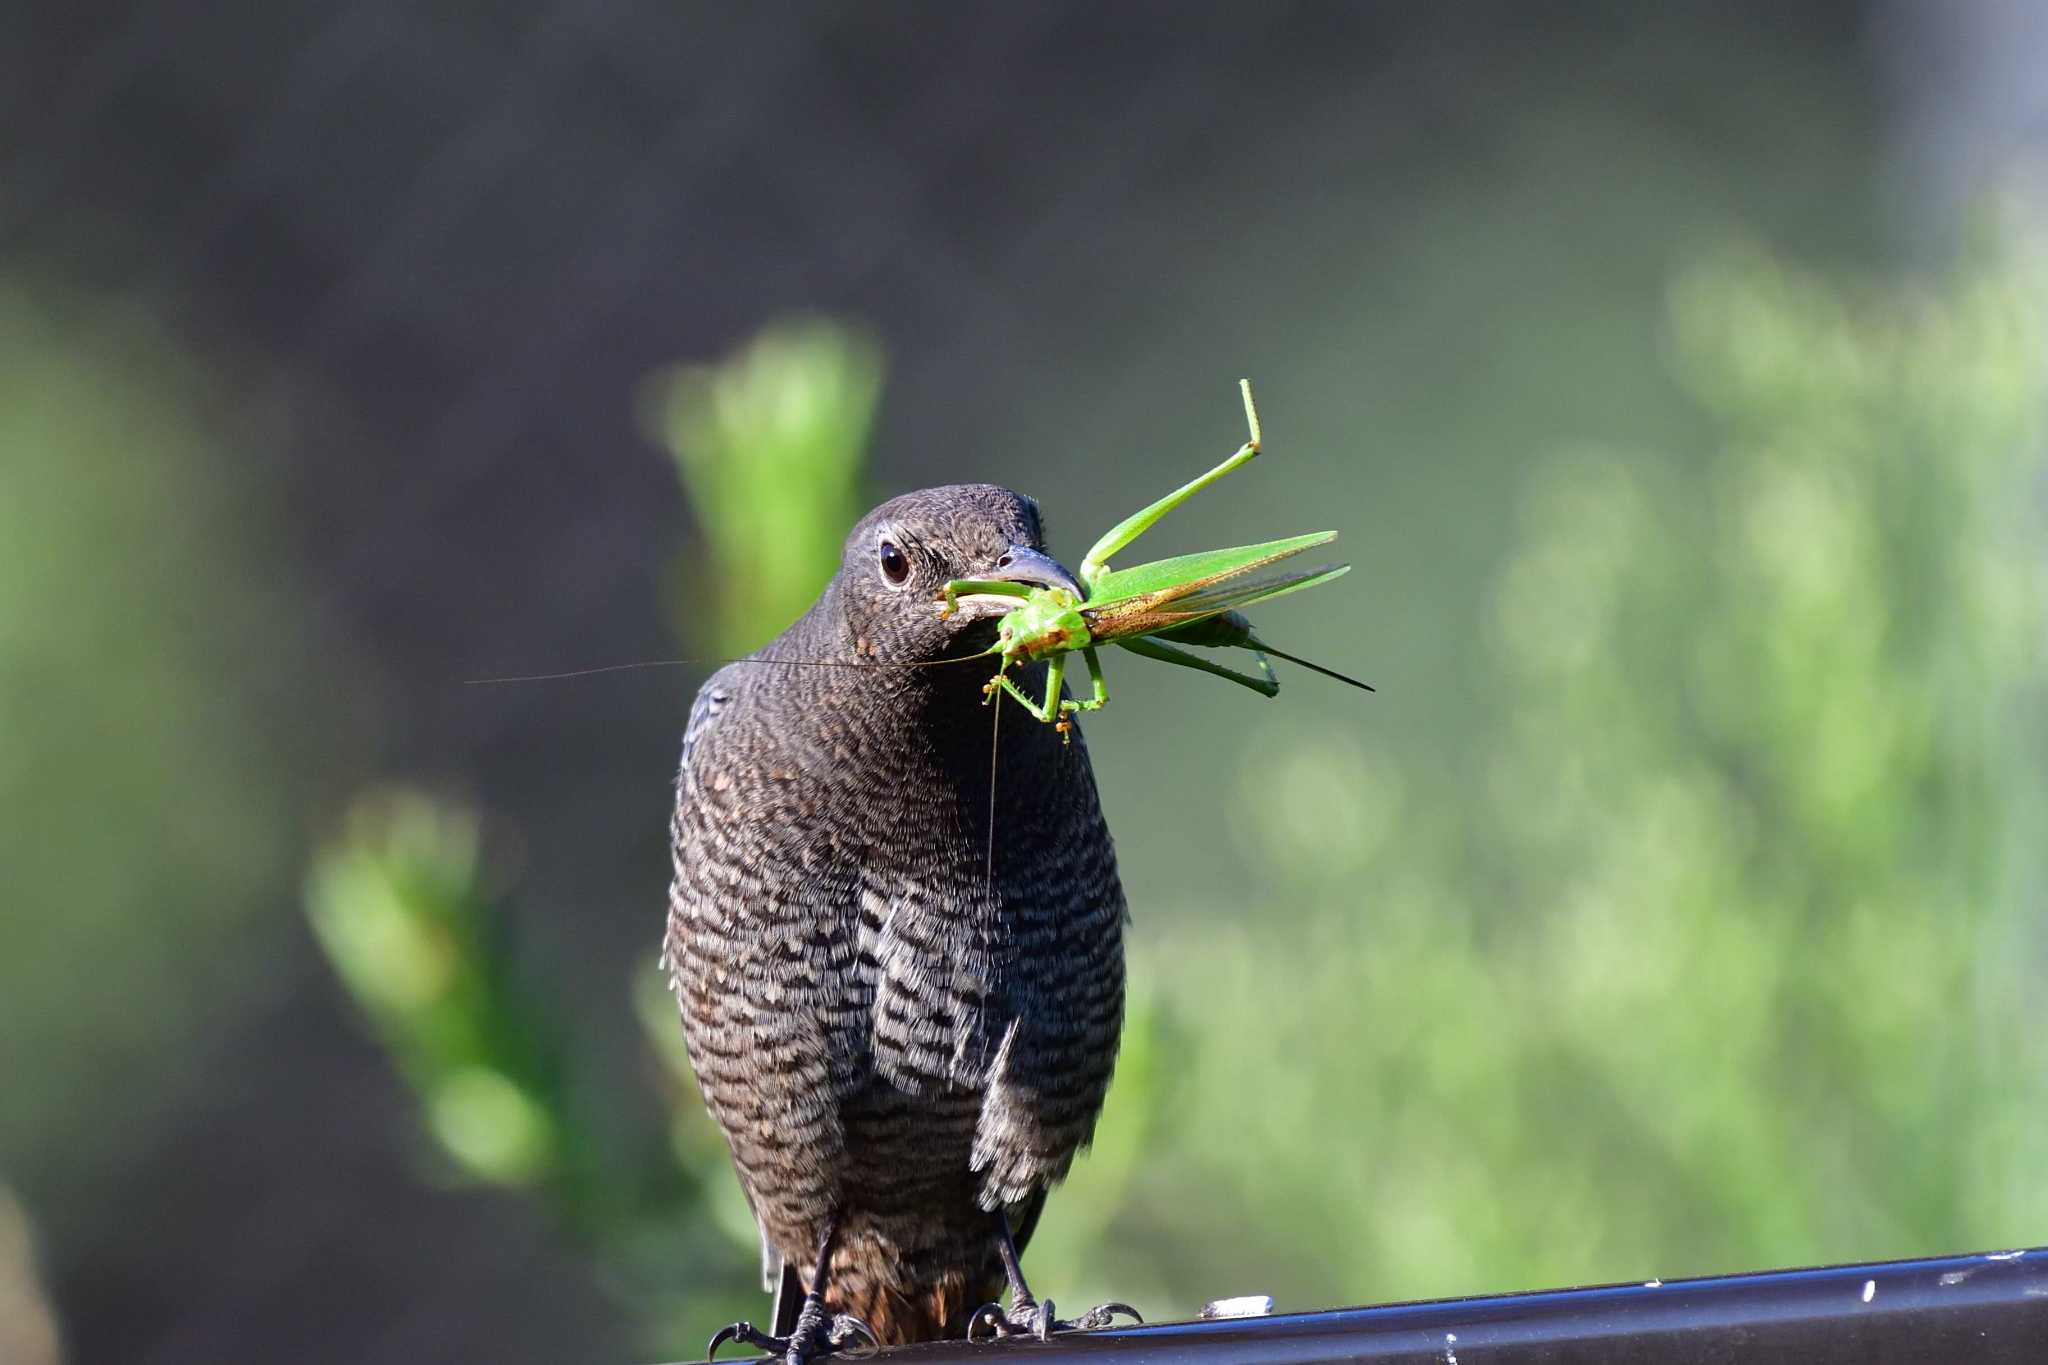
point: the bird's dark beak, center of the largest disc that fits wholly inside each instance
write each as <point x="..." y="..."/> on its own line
<point x="1016" y="564"/>
<point x="1021" y="565"/>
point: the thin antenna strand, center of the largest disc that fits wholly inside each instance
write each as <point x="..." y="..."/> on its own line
<point x="581" y="672"/>
<point x="995" y="739"/>
<point x="681" y="663"/>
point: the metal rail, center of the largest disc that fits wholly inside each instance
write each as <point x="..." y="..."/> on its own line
<point x="1990" y="1307"/>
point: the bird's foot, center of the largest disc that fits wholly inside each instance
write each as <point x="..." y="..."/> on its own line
<point x="816" y="1334"/>
<point x="1026" y="1318"/>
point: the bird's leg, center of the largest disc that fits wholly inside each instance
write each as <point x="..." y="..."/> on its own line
<point x="816" y="1333"/>
<point x="1026" y="1316"/>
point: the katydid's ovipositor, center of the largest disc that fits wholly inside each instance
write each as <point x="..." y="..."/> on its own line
<point x="1151" y="609"/>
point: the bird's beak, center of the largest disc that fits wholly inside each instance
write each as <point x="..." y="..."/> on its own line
<point x="1021" y="565"/>
<point x="1018" y="564"/>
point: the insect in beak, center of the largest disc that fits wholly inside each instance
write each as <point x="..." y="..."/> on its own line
<point x="1150" y="609"/>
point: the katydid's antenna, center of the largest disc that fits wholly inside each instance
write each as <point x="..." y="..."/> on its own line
<point x="995" y="741"/>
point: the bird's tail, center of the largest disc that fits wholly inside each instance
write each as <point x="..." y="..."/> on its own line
<point x="899" y="1314"/>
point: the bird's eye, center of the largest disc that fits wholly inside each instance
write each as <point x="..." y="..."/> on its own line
<point x="895" y="564"/>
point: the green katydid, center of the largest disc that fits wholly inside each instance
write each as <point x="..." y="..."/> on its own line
<point x="1150" y="609"/>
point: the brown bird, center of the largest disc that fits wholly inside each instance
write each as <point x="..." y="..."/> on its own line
<point x="900" y="966"/>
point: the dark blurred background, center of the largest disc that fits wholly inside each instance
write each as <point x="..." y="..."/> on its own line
<point x="1674" y="374"/>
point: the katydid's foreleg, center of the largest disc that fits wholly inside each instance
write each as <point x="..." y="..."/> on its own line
<point x="1001" y="683"/>
<point x="1098" y="694"/>
<point x="1055" y="708"/>
<point x="1049" y="710"/>
<point x="1266" y="684"/>
<point x="950" y="595"/>
<point x="1098" y="685"/>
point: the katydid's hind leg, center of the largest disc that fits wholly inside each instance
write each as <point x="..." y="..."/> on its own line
<point x="1267" y="684"/>
<point x="1135" y="525"/>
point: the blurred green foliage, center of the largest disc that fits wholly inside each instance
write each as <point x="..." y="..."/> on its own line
<point x="401" y="910"/>
<point x="771" y="446"/>
<point x="1713" y="951"/>
<point x="1720" y="954"/>
<point x="404" y="903"/>
<point x="149" y="790"/>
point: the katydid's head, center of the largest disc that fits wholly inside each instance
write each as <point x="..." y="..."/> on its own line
<point x="901" y="556"/>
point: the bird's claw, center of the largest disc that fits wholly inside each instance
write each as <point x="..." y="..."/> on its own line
<point x="1102" y="1315"/>
<point x="814" y="1336"/>
<point x="845" y="1328"/>
<point x="993" y="1322"/>
<point x="743" y="1331"/>
<point x="990" y="1316"/>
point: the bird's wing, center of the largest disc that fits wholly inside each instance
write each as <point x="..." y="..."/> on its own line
<point x="711" y="699"/>
<point x="1045" y="1084"/>
<point x="789" y="1295"/>
<point x="760" y="941"/>
<point x="771" y="1259"/>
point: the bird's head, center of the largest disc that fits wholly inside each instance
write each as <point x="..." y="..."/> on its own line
<point x="902" y="553"/>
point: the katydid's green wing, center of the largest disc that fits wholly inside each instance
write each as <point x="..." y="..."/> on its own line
<point x="1149" y="613"/>
<point x="1189" y="572"/>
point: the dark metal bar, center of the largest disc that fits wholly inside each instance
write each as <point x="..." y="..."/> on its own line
<point x="1991" y="1307"/>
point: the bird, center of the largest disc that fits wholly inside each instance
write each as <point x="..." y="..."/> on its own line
<point x="899" y="962"/>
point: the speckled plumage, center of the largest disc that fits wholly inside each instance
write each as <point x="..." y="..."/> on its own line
<point x="891" y="1032"/>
